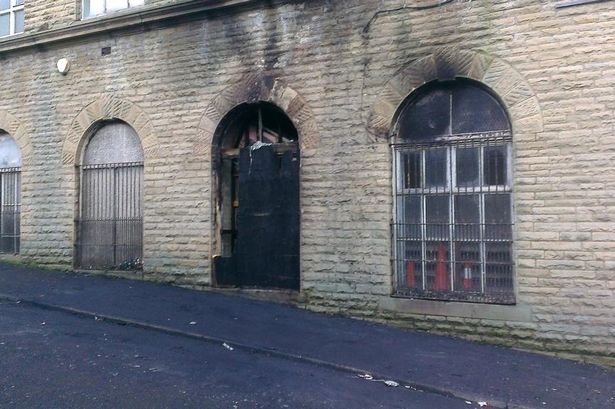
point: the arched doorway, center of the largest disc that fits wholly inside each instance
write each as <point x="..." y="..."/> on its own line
<point x="10" y="194"/>
<point x="256" y="169"/>
<point x="109" y="223"/>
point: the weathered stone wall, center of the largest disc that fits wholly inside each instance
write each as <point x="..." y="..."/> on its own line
<point x="41" y="15"/>
<point x="349" y="66"/>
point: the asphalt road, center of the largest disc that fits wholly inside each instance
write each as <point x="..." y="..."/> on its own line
<point x="52" y="359"/>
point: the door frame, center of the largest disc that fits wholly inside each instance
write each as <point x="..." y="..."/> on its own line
<point x="227" y="128"/>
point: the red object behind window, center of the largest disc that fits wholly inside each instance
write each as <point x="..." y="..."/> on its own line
<point x="441" y="283"/>
<point x="410" y="274"/>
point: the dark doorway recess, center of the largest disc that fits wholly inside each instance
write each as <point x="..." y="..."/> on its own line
<point x="257" y="211"/>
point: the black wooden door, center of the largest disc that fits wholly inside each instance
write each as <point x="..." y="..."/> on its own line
<point x="266" y="251"/>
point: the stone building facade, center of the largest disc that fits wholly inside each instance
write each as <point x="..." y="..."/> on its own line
<point x="178" y="73"/>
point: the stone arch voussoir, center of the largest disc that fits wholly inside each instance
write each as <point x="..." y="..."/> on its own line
<point x="448" y="63"/>
<point x="109" y="107"/>
<point x="256" y="88"/>
<point x="10" y="124"/>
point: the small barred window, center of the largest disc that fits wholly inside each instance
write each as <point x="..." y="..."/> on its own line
<point x="453" y="195"/>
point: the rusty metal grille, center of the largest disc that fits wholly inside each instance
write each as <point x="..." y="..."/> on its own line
<point x="110" y="222"/>
<point x="10" y="210"/>
<point x="453" y="226"/>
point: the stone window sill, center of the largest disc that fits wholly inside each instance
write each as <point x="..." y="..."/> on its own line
<point x="518" y="312"/>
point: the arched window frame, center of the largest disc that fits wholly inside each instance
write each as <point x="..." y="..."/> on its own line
<point x="430" y="232"/>
<point x="10" y="195"/>
<point x="110" y="193"/>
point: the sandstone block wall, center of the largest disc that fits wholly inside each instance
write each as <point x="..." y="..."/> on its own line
<point x="348" y="65"/>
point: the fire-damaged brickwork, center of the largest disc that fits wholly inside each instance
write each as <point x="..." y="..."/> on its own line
<point x="341" y="72"/>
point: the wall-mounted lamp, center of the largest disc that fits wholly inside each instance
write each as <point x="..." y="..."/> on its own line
<point x="63" y="66"/>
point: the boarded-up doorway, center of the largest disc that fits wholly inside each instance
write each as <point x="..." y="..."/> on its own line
<point x="257" y="220"/>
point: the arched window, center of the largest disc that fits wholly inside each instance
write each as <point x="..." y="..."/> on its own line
<point x="110" y="220"/>
<point x="453" y="195"/>
<point x="10" y="194"/>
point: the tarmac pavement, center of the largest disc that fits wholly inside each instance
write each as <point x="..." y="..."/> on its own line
<point x="440" y="366"/>
<point x="54" y="360"/>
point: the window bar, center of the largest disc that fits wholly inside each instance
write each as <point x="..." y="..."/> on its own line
<point x="96" y="207"/>
<point x="423" y="223"/>
<point x="7" y="204"/>
<point x="114" y="203"/>
<point x="511" y="223"/>
<point x="11" y="18"/>
<point x="128" y="216"/>
<point x="12" y="207"/>
<point x="451" y="218"/>
<point x="403" y="227"/>
<point x="509" y="170"/>
<point x="15" y="210"/>
<point x="10" y="203"/>
<point x="481" y="220"/>
<point x="76" y="247"/>
<point x="496" y="169"/>
<point x="401" y="192"/>
<point x="85" y="212"/>
<point x="90" y="208"/>
<point x="129" y="236"/>
<point x="2" y="199"/>
<point x="395" y="222"/>
<point x="122" y="224"/>
<point x="123" y="173"/>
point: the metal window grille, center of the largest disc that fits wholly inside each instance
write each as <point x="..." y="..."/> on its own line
<point x="10" y="210"/>
<point x="453" y="229"/>
<point x="110" y="222"/>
